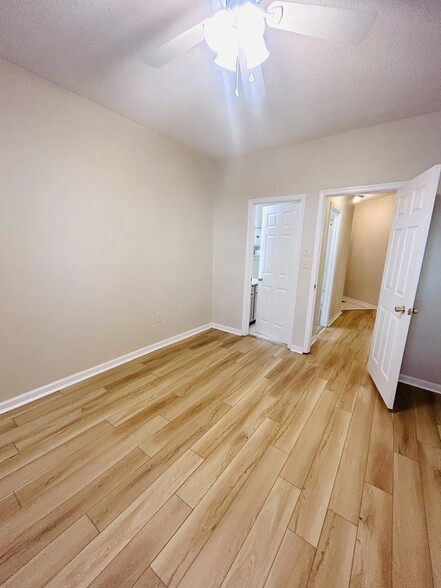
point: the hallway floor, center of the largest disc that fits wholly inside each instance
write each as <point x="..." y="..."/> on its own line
<point x="224" y="461"/>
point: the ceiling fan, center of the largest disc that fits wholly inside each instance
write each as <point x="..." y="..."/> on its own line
<point x="235" y="33"/>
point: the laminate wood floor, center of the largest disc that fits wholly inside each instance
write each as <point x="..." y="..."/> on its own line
<point x="225" y="462"/>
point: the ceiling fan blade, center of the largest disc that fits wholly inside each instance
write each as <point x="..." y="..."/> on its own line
<point x="324" y="22"/>
<point x="176" y="46"/>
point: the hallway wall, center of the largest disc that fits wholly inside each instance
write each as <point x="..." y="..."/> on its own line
<point x="368" y="248"/>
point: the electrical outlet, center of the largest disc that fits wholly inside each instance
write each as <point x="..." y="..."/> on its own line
<point x="181" y="310"/>
<point x="158" y="317"/>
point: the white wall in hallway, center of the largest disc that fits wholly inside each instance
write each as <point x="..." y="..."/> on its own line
<point x="370" y="237"/>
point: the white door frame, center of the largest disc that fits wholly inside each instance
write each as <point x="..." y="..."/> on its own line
<point x="252" y="203"/>
<point x="353" y="190"/>
<point x="331" y="259"/>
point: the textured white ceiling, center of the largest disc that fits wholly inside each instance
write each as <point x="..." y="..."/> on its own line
<point x="314" y="88"/>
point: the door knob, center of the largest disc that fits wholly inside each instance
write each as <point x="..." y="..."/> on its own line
<point x="400" y="309"/>
<point x="260" y="279"/>
<point x="413" y="311"/>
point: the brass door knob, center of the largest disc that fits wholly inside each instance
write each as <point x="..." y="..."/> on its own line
<point x="400" y="309"/>
<point x="413" y="311"/>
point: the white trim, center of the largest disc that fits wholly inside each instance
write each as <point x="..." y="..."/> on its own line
<point x="360" y="303"/>
<point x="334" y="318"/>
<point x="48" y="389"/>
<point x="386" y="187"/>
<point x="296" y="349"/>
<point x="424" y="384"/>
<point x="226" y="329"/>
<point x="252" y="203"/>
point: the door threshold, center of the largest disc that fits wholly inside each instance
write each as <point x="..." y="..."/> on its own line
<point x="264" y="338"/>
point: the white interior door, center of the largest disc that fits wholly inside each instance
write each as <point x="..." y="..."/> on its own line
<point x="410" y="227"/>
<point x="279" y="264"/>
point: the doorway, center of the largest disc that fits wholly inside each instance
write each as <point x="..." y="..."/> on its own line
<point x="414" y="204"/>
<point x="356" y="231"/>
<point x="275" y="227"/>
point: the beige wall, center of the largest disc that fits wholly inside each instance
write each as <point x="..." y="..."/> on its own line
<point x="370" y="237"/>
<point x="345" y="204"/>
<point x="385" y="153"/>
<point x="103" y="223"/>
<point x="422" y="357"/>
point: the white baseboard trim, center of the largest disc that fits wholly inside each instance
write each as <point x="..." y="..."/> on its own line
<point x="424" y="384"/>
<point x="360" y="303"/>
<point x="296" y="349"/>
<point x="334" y="318"/>
<point x="27" y="397"/>
<point x="226" y="329"/>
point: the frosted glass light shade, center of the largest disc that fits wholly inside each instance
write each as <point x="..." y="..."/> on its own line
<point x="250" y="22"/>
<point x="227" y="60"/>
<point x="220" y="32"/>
<point x="256" y="53"/>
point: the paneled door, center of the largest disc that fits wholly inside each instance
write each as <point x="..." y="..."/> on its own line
<point x="330" y="264"/>
<point x="278" y="271"/>
<point x="407" y="243"/>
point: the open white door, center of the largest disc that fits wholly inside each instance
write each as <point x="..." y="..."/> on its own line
<point x="407" y="243"/>
<point x="279" y="265"/>
<point x="330" y="265"/>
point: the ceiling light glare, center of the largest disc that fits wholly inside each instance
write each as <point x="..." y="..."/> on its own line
<point x="358" y="198"/>
<point x="227" y="59"/>
<point x="221" y="36"/>
<point x="230" y="31"/>
<point x="250" y="22"/>
<point x="256" y="53"/>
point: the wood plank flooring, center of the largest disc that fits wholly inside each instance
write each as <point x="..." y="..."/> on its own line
<point x="221" y="462"/>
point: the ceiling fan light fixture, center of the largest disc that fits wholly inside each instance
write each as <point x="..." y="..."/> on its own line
<point x="227" y="60"/>
<point x="250" y="21"/>
<point x="256" y="53"/>
<point x="230" y="31"/>
<point x="220" y="33"/>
